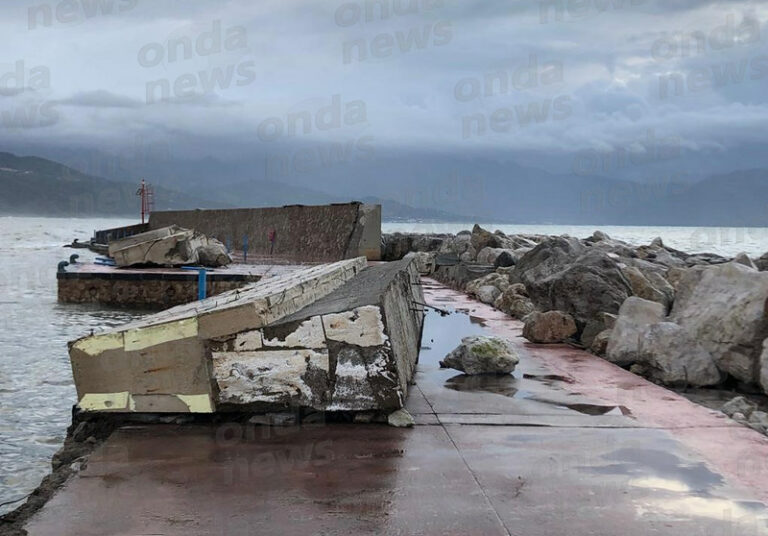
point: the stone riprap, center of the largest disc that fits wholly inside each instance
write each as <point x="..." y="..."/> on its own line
<point x="677" y="318"/>
<point x="169" y="246"/>
<point x="336" y="337"/>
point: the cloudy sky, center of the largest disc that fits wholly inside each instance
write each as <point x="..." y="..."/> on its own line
<point x="225" y="78"/>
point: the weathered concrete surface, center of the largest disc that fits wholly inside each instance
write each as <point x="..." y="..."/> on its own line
<point x="570" y="444"/>
<point x="321" y="233"/>
<point x="169" y="246"/>
<point x="336" y="337"/>
<point x="162" y="363"/>
<point x="354" y="349"/>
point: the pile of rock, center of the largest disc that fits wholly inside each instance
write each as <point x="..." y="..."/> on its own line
<point x="586" y="281"/>
<point x="747" y="413"/>
<point x="675" y="317"/>
<point x="717" y="328"/>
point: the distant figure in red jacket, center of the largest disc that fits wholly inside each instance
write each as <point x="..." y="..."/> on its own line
<point x="272" y="236"/>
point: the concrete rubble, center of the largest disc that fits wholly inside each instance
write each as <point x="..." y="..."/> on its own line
<point x="333" y="337"/>
<point x="169" y="246"/>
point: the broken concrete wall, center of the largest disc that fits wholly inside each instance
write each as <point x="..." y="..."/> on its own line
<point x="333" y="337"/>
<point x="353" y="350"/>
<point x="169" y="246"/>
<point x="162" y="362"/>
<point x="321" y="233"/>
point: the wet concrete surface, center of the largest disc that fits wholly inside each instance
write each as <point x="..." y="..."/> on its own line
<point x="569" y="444"/>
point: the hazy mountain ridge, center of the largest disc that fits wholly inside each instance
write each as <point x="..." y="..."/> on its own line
<point x="43" y="187"/>
<point x="419" y="186"/>
<point x="33" y="185"/>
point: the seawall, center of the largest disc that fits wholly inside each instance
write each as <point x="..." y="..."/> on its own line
<point x="320" y="233"/>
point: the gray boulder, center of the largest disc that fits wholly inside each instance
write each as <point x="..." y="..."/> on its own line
<point x="661" y="292"/>
<point x="457" y="244"/>
<point x="582" y="285"/>
<point x="598" y="236"/>
<point x="670" y="356"/>
<point x="487" y="294"/>
<point x="635" y="316"/>
<point x="726" y="312"/>
<point x="395" y="246"/>
<point x="484" y="239"/>
<point x="684" y="280"/>
<point x="548" y="257"/>
<point x="489" y="255"/>
<point x="739" y="405"/>
<point x="494" y="279"/>
<point x="549" y="328"/>
<point x="469" y="255"/>
<point x="482" y="355"/>
<point x="758" y="421"/>
<point x="514" y="301"/>
<point x="599" y="324"/>
<point x="600" y="343"/>
<point x="400" y="419"/>
<point x="743" y="258"/>
<point x="505" y="259"/>
<point x="764" y="366"/>
<point x="762" y="262"/>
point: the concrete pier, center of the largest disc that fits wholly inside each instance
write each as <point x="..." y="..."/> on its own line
<point x="570" y="445"/>
<point x="153" y="288"/>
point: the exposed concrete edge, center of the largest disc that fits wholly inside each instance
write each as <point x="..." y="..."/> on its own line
<point x="235" y="298"/>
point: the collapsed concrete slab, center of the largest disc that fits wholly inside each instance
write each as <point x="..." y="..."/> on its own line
<point x="352" y="350"/>
<point x="169" y="246"/>
<point x="332" y="337"/>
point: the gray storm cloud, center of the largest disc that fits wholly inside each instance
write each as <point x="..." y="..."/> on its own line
<point x="547" y="76"/>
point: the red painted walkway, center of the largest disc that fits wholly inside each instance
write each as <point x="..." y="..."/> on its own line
<point x="569" y="445"/>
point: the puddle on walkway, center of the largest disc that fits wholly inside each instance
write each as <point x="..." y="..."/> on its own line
<point x="501" y="385"/>
<point x="659" y="464"/>
<point x="444" y="333"/>
<point x="682" y="489"/>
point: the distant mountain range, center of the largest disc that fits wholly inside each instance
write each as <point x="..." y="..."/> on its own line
<point x="410" y="186"/>
<point x="37" y="186"/>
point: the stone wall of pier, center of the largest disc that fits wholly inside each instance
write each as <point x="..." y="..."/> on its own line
<point x="139" y="293"/>
<point x="321" y="233"/>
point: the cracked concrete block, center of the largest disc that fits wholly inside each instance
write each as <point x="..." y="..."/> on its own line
<point x="370" y="329"/>
<point x="362" y="326"/>
<point x="307" y="334"/>
<point x="169" y="246"/>
<point x="163" y="361"/>
<point x="336" y="337"/>
<point x="271" y="377"/>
